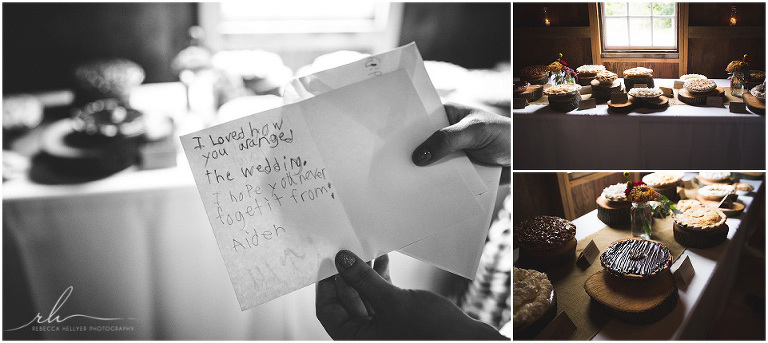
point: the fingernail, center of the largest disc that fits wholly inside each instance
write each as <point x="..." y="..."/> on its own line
<point x="345" y="259"/>
<point x="422" y="156"/>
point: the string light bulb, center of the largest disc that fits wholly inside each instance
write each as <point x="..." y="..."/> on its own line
<point x="546" y="17"/>
<point x="732" y="20"/>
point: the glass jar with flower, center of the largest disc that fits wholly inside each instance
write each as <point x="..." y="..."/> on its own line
<point x="561" y="73"/>
<point x="646" y="203"/>
<point x="738" y="70"/>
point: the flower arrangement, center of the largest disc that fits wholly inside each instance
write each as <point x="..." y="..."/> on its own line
<point x="651" y="204"/>
<point x="741" y="64"/>
<point x="561" y="73"/>
<point x="738" y="70"/>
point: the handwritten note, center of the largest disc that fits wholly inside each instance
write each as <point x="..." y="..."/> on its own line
<point x="458" y="248"/>
<point x="738" y="107"/>
<point x="587" y="104"/>
<point x="619" y="98"/>
<point x="286" y="189"/>
<point x="715" y="101"/>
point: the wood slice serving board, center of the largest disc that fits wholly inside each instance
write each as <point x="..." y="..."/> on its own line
<point x="613" y="213"/>
<point x="633" y="301"/>
<point x="531" y="93"/>
<point x="753" y="103"/>
<point x="697" y="99"/>
<point x="625" y="106"/>
<point x="734" y="210"/>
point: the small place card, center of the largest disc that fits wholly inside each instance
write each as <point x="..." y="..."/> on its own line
<point x="519" y="103"/>
<point x="585" y="90"/>
<point x="588" y="255"/>
<point x="678" y="84"/>
<point x="587" y="104"/>
<point x="715" y="101"/>
<point x="667" y="92"/>
<point x="738" y="107"/>
<point x="619" y="98"/>
<point x="685" y="272"/>
<point x="640" y="85"/>
<point x="560" y="328"/>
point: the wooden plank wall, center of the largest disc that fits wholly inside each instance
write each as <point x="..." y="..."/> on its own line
<point x="712" y="43"/>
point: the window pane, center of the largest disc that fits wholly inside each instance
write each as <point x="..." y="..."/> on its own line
<point x="615" y="8"/>
<point x="663" y="32"/>
<point x="616" y="32"/>
<point x="664" y="8"/>
<point x="639" y="8"/>
<point x="640" y="31"/>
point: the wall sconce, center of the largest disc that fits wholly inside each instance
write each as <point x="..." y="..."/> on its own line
<point x="546" y="17"/>
<point x="732" y="20"/>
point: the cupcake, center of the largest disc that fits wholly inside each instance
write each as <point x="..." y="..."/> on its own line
<point x="613" y="207"/>
<point x="715" y="176"/>
<point x="699" y="87"/>
<point x="545" y="242"/>
<point x="638" y="75"/>
<point x="664" y="183"/>
<point x="534" y="302"/>
<point x="700" y="227"/>
<point x="634" y="258"/>
<point x="564" y="97"/>
<point x="688" y="77"/>
<point x="716" y="191"/>
<point x="535" y="74"/>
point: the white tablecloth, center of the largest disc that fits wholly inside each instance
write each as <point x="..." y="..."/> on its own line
<point x="701" y="302"/>
<point x="138" y="245"/>
<point x="680" y="137"/>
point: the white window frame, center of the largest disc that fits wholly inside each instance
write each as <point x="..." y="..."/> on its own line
<point x="377" y="35"/>
<point x="640" y="49"/>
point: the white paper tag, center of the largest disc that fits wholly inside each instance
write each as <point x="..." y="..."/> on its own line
<point x="560" y="328"/>
<point x="685" y="272"/>
<point x="588" y="255"/>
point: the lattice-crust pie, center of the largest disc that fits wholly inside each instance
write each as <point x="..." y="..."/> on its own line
<point x="700" y="218"/>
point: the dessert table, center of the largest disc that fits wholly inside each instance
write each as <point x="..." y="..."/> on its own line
<point x="700" y="302"/>
<point x="678" y="137"/>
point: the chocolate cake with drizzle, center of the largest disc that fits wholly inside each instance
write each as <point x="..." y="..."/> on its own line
<point x="636" y="258"/>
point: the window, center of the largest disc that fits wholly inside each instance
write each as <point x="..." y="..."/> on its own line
<point x="639" y="27"/>
<point x="301" y="31"/>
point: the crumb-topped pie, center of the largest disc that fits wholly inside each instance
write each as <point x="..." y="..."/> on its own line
<point x="636" y="258"/>
<point x="638" y="71"/>
<point x="699" y="86"/>
<point x="688" y="77"/>
<point x="563" y="89"/>
<point x="534" y="71"/>
<point x="715" y="175"/>
<point x="645" y="92"/>
<point x="716" y="191"/>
